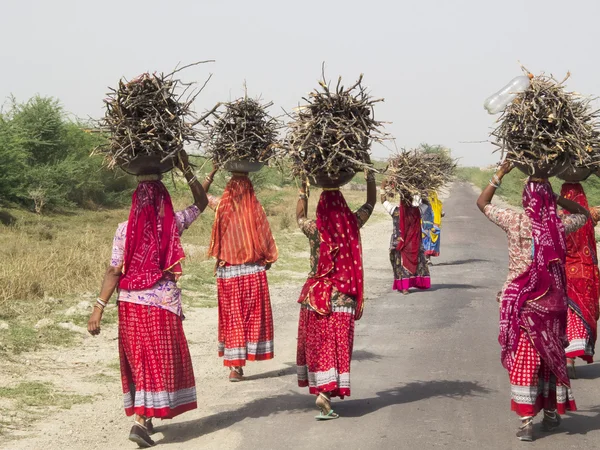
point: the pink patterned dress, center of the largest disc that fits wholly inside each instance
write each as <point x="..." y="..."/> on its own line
<point x="156" y="367"/>
<point x="533" y="386"/>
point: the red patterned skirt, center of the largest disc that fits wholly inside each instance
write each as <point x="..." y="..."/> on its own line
<point x="533" y="386"/>
<point x="156" y="368"/>
<point x="325" y="350"/>
<point x="245" y="317"/>
<point x="580" y="341"/>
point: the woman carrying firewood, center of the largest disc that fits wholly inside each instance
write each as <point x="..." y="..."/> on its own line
<point x="406" y="247"/>
<point x="244" y="248"/>
<point x="332" y="298"/>
<point x="156" y="369"/>
<point x="533" y="308"/>
<point x="583" y="283"/>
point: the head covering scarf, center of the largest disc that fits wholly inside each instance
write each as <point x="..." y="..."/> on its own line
<point x="437" y="207"/>
<point x="583" y="284"/>
<point x="152" y="245"/>
<point x="241" y="233"/>
<point x="536" y="300"/>
<point x="409" y="225"/>
<point x="340" y="256"/>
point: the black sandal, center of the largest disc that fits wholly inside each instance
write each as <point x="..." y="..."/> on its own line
<point x="139" y="435"/>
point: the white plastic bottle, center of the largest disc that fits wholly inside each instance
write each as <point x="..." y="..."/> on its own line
<point x="496" y="103"/>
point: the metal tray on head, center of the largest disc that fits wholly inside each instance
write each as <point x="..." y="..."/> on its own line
<point x="147" y="165"/>
<point x="543" y="170"/>
<point x="323" y="180"/>
<point x="243" y="165"/>
<point x="574" y="174"/>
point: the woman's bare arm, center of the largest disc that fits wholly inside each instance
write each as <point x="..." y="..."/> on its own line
<point x="371" y="188"/>
<point x="109" y="284"/>
<point x="200" y="199"/>
<point x="302" y="205"/>
<point x="572" y="207"/>
<point x="488" y="193"/>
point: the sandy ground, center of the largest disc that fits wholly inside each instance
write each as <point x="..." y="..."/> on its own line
<point x="426" y="371"/>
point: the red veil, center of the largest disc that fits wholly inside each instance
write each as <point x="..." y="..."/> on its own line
<point x="340" y="256"/>
<point x="583" y="283"/>
<point x="152" y="245"/>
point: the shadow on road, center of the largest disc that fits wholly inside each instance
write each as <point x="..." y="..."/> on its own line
<point x="444" y="286"/>
<point x="580" y="422"/>
<point x="459" y="262"/>
<point x="411" y="392"/>
<point x="295" y="402"/>
<point x="588" y="371"/>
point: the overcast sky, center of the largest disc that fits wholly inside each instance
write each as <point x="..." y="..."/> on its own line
<point x="434" y="62"/>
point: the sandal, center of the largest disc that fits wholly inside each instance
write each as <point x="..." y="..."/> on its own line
<point x="525" y="432"/>
<point x="139" y="435"/>
<point x="149" y="426"/>
<point x="324" y="404"/>
<point x="236" y="374"/>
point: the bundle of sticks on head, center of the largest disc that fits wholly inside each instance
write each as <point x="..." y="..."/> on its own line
<point x="415" y="172"/>
<point x="149" y="117"/>
<point x="241" y="130"/>
<point x="331" y="134"/>
<point x="547" y="128"/>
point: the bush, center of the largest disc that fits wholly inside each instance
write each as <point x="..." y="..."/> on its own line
<point x="45" y="160"/>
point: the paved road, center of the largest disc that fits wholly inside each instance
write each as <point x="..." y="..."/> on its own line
<point x="426" y="372"/>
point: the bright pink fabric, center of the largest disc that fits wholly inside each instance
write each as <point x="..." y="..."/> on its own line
<point x="152" y="246"/>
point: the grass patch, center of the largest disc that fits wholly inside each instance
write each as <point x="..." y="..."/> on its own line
<point x="34" y="393"/>
<point x="21" y="338"/>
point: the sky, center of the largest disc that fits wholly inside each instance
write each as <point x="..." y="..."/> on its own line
<point x="433" y="61"/>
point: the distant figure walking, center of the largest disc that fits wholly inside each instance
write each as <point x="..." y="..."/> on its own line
<point x="156" y="368"/>
<point x="583" y="284"/>
<point x="432" y="224"/>
<point x="332" y="298"/>
<point x="407" y="254"/>
<point x="533" y="310"/>
<point x="243" y="245"/>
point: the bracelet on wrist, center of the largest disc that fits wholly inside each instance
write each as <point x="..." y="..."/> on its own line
<point x="101" y="301"/>
<point x="100" y="307"/>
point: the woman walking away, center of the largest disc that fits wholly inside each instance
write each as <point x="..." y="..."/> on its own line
<point x="426" y="227"/>
<point x="406" y="247"/>
<point x="332" y="298"/>
<point x="156" y="368"/>
<point x="533" y="311"/>
<point x="432" y="238"/>
<point x="244" y="248"/>
<point x="583" y="285"/>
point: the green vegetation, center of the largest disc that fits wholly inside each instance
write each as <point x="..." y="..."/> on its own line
<point x="34" y="393"/>
<point x="45" y="160"/>
<point x="512" y="184"/>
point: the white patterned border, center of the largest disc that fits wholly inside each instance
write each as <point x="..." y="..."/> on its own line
<point x="316" y="379"/>
<point x="580" y="344"/>
<point x="240" y="270"/>
<point x="158" y="400"/>
<point x="252" y="348"/>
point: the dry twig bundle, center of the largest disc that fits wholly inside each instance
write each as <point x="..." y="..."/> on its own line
<point x="546" y="125"/>
<point x="333" y="131"/>
<point x="244" y="130"/>
<point x="150" y="115"/>
<point x="414" y="172"/>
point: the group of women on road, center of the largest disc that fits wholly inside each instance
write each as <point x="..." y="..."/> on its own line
<point x="156" y="367"/>
<point x="550" y="299"/>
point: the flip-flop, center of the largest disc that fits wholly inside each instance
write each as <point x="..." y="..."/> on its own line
<point x="329" y="416"/>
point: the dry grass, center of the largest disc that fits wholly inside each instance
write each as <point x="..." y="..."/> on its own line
<point x="51" y="263"/>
